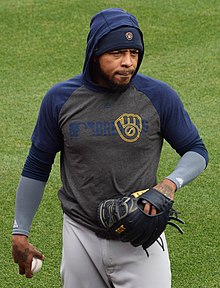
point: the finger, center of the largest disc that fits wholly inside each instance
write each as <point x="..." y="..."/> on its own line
<point x="25" y="269"/>
<point x="150" y="209"/>
<point x="153" y="211"/>
<point x="21" y="270"/>
<point x="28" y="272"/>
<point x="147" y="208"/>
<point x="39" y="255"/>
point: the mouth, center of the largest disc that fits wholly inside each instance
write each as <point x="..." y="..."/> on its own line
<point x="125" y="73"/>
<point x="123" y="76"/>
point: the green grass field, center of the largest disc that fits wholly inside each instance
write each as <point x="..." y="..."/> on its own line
<point x="43" y="42"/>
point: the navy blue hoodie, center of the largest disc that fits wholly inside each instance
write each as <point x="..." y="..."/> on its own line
<point x="110" y="143"/>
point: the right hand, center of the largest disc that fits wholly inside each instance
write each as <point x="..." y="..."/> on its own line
<point x="166" y="187"/>
<point x="23" y="253"/>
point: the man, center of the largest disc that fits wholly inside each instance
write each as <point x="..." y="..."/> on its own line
<point x="109" y="124"/>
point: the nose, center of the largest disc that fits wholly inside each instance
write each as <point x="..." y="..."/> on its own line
<point x="127" y="60"/>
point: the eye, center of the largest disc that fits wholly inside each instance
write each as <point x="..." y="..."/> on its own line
<point x="134" y="52"/>
<point x="116" y="52"/>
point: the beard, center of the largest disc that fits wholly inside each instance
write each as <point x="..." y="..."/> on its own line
<point x="111" y="84"/>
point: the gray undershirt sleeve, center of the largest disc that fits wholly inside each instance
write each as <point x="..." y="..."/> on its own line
<point x="188" y="168"/>
<point x="28" y="197"/>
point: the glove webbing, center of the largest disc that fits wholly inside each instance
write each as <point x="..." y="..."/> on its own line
<point x="175" y="218"/>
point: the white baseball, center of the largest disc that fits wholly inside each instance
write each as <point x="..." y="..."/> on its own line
<point x="36" y="265"/>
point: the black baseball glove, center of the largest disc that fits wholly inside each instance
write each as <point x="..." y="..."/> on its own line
<point x="125" y="217"/>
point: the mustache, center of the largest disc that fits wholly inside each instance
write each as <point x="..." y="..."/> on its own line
<point x="125" y="72"/>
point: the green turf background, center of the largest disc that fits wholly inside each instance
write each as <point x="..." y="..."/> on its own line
<point x="43" y="42"/>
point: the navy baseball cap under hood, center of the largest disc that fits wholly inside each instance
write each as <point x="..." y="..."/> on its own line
<point x="120" y="38"/>
<point x="111" y="21"/>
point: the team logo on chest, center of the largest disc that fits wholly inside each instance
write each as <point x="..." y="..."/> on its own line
<point x="129" y="127"/>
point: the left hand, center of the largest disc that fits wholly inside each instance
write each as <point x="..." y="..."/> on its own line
<point x="165" y="187"/>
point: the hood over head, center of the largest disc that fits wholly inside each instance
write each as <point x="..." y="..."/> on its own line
<point x="115" y="22"/>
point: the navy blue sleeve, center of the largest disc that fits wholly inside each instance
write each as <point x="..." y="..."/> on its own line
<point x="47" y="138"/>
<point x="47" y="135"/>
<point x="38" y="164"/>
<point x="176" y="126"/>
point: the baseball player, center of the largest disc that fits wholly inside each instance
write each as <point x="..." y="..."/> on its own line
<point x="109" y="123"/>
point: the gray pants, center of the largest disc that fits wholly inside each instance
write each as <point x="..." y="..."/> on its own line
<point x="91" y="262"/>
